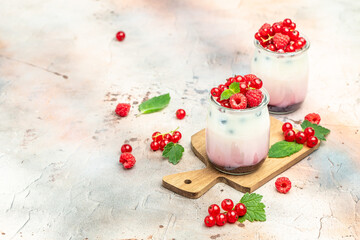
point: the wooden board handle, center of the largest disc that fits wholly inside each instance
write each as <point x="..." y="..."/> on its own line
<point x="192" y="184"/>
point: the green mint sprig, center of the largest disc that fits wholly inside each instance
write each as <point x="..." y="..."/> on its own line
<point x="233" y="89"/>
<point x="155" y="104"/>
<point x="284" y="149"/>
<point x="174" y="152"/>
<point x="255" y="208"/>
<point x="320" y="132"/>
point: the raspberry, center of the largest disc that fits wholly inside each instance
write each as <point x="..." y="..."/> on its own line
<point x="283" y="184"/>
<point x="281" y="40"/>
<point x="254" y="97"/>
<point x="122" y="109"/>
<point x="127" y="160"/>
<point x="238" y="101"/>
<point x="313" y="118"/>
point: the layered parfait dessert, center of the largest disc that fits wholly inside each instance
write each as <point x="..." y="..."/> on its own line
<point x="238" y="125"/>
<point x="281" y="61"/>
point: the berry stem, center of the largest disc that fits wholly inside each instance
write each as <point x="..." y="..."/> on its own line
<point x="162" y="134"/>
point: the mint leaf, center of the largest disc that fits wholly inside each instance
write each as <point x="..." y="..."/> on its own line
<point x="235" y="87"/>
<point x="320" y="132"/>
<point x="155" y="104"/>
<point x="173" y="151"/>
<point x="226" y="94"/>
<point x="255" y="208"/>
<point x="283" y="149"/>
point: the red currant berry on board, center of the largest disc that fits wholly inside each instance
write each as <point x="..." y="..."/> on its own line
<point x="243" y="87"/>
<point x="156" y="136"/>
<point x="300" y="137"/>
<point x="287" y="22"/>
<point x="271" y="47"/>
<point x="294" y="35"/>
<point x="120" y="36"/>
<point x="180" y="113"/>
<point x="209" y="221"/>
<point x="221" y="219"/>
<point x="214" y="210"/>
<point x="257" y="83"/>
<point x="178" y="134"/>
<point x="292" y="26"/>
<point x="290" y="48"/>
<point x="286" y="126"/>
<point x="289" y="135"/>
<point x="227" y="204"/>
<point x="168" y="137"/>
<point x="285" y="31"/>
<point x="126" y="148"/>
<point x="163" y="143"/>
<point x="312" y="141"/>
<point x="175" y="138"/>
<point x="215" y="92"/>
<point x="309" y="131"/>
<point x="257" y="36"/>
<point x="277" y="28"/>
<point x="232" y="216"/>
<point x="154" y="146"/>
<point x="240" y="209"/>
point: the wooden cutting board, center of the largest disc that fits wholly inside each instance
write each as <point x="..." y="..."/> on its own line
<point x="194" y="184"/>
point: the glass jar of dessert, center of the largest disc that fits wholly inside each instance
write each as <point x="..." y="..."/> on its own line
<point x="237" y="140"/>
<point x="281" y="61"/>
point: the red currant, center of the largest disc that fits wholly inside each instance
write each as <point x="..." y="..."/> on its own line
<point x="271" y="31"/>
<point x="300" y="137"/>
<point x="232" y="216"/>
<point x="285" y="31"/>
<point x="239" y="78"/>
<point x="264" y="32"/>
<point x="175" y="138"/>
<point x="257" y="83"/>
<point x="154" y="146"/>
<point x="277" y="28"/>
<point x="209" y="221"/>
<point x="240" y="209"/>
<point x="229" y="81"/>
<point x="220" y="219"/>
<point x="289" y="135"/>
<point x="290" y="48"/>
<point x="177" y="133"/>
<point x="286" y="126"/>
<point x="226" y="104"/>
<point x="280" y="51"/>
<point x="156" y="136"/>
<point x="271" y="47"/>
<point x="299" y="44"/>
<point x="294" y="35"/>
<point x="215" y="92"/>
<point x="292" y="26"/>
<point x="243" y="87"/>
<point x="163" y="143"/>
<point x="257" y="36"/>
<point x="221" y="87"/>
<point x="120" y="36"/>
<point x="126" y="148"/>
<point x="287" y="22"/>
<point x="168" y="137"/>
<point x="227" y="204"/>
<point x="214" y="210"/>
<point x="312" y="141"/>
<point x="309" y="131"/>
<point x="180" y="113"/>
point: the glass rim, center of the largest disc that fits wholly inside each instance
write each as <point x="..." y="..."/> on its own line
<point x="263" y="104"/>
<point x="290" y="54"/>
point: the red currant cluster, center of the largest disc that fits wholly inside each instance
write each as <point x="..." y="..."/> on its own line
<point x="230" y="215"/>
<point x="300" y="137"/>
<point x="126" y="158"/>
<point x="249" y="95"/>
<point x="161" y="140"/>
<point x="280" y="37"/>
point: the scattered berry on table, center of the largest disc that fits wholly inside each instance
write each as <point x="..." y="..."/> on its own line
<point x="221" y="219"/>
<point x="286" y="126"/>
<point x="232" y="216"/>
<point x="175" y="138"/>
<point x="214" y="210"/>
<point x="227" y="204"/>
<point x="154" y="146"/>
<point x="209" y="221"/>
<point x="180" y="113"/>
<point x="177" y="133"/>
<point x="283" y="184"/>
<point x="127" y="160"/>
<point x="157" y="136"/>
<point x="126" y="148"/>
<point x="312" y="141"/>
<point x="120" y="36"/>
<point x="300" y="137"/>
<point x="163" y="143"/>
<point x="238" y="101"/>
<point x="289" y="135"/>
<point x="313" y="118"/>
<point x="168" y="137"/>
<point x="254" y="97"/>
<point x="122" y="109"/>
<point x="309" y="131"/>
<point x="240" y="209"/>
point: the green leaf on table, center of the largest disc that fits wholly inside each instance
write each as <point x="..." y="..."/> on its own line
<point x="235" y="87"/>
<point x="283" y="149"/>
<point x="255" y="208"/>
<point x="155" y="104"/>
<point x="226" y="94"/>
<point x="173" y="151"/>
<point x="320" y="132"/>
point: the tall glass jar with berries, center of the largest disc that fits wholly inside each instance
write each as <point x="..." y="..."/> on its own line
<point x="281" y="61"/>
<point x="238" y="126"/>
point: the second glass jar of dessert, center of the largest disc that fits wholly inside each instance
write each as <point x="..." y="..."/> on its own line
<point x="237" y="140"/>
<point x="285" y="76"/>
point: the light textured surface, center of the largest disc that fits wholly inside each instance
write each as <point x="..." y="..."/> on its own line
<point x="62" y="73"/>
